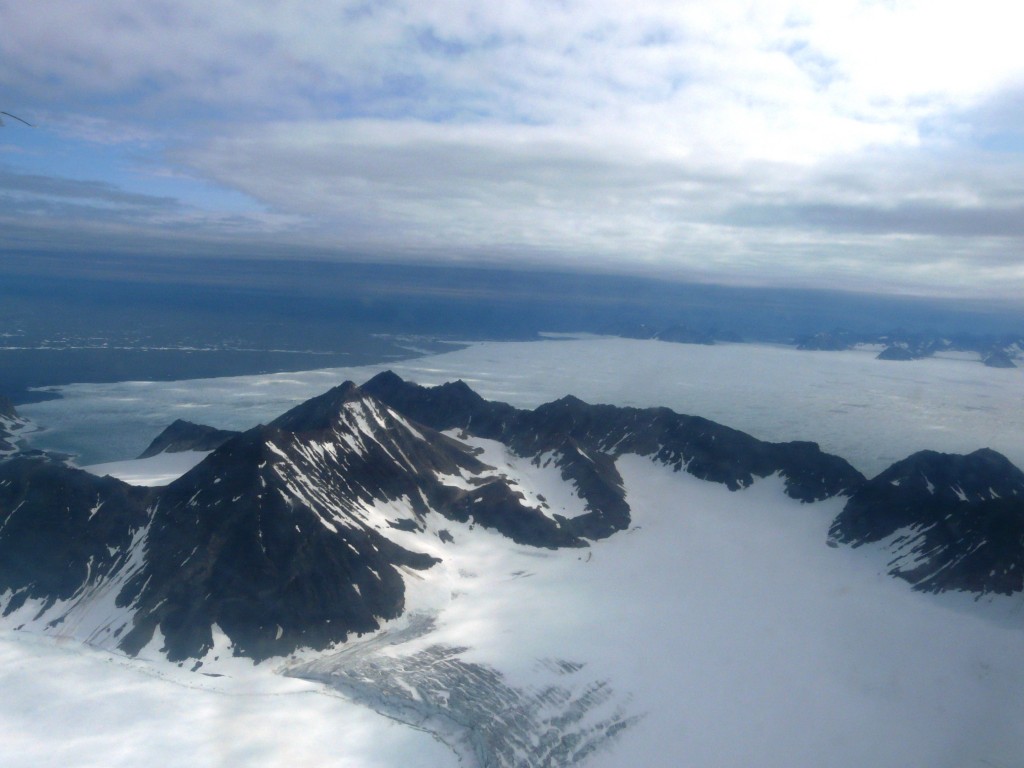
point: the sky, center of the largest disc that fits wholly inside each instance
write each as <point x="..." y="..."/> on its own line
<point x="864" y="145"/>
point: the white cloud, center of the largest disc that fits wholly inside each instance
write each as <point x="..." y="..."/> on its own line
<point x="586" y="129"/>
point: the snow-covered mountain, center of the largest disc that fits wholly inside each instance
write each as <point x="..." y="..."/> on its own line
<point x="512" y="567"/>
<point x="582" y="438"/>
<point x="283" y="537"/>
<point x="279" y="537"/>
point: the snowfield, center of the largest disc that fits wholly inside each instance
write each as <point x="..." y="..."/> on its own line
<point x="65" y="705"/>
<point x="719" y="631"/>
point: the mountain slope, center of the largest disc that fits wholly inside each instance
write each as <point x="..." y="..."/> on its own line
<point x="281" y="537"/>
<point x="67" y="538"/>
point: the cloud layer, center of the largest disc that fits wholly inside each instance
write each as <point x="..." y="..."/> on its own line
<point x="856" y="144"/>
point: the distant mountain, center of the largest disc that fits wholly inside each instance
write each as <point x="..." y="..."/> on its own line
<point x="947" y="521"/>
<point x="678" y="333"/>
<point x="999" y="358"/>
<point x="995" y="352"/>
<point x="186" y="436"/>
<point x="303" y="532"/>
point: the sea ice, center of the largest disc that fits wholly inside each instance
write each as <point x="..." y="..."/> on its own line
<point x="871" y="412"/>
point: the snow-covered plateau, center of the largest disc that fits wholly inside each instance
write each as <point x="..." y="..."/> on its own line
<point x="718" y="630"/>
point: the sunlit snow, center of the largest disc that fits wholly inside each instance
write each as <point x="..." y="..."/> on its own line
<point x="65" y="705"/>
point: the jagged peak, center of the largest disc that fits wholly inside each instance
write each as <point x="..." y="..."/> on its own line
<point x="320" y="412"/>
<point x="570" y="401"/>
<point x="182" y="435"/>
<point x="384" y="379"/>
<point x="460" y="387"/>
<point x="389" y="382"/>
<point x="567" y="403"/>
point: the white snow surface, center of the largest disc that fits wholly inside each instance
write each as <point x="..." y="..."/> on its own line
<point x="68" y="705"/>
<point x="538" y="481"/>
<point x="738" y="636"/>
<point x="155" y="470"/>
<point x="720" y="619"/>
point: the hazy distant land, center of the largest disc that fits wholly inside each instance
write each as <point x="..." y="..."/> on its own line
<point x="99" y="318"/>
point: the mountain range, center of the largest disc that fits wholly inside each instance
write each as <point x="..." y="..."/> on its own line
<point x="302" y="533"/>
<point x="993" y="351"/>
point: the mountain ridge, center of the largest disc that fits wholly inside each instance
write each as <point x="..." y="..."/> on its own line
<point x="301" y="533"/>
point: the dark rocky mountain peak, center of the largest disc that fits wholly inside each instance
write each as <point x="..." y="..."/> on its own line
<point x="948" y="521"/>
<point x="453" y="405"/>
<point x="320" y="412"/>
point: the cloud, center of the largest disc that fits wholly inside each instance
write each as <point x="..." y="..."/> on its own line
<point x="777" y="141"/>
<point x="910" y="218"/>
<point x="96" y="191"/>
